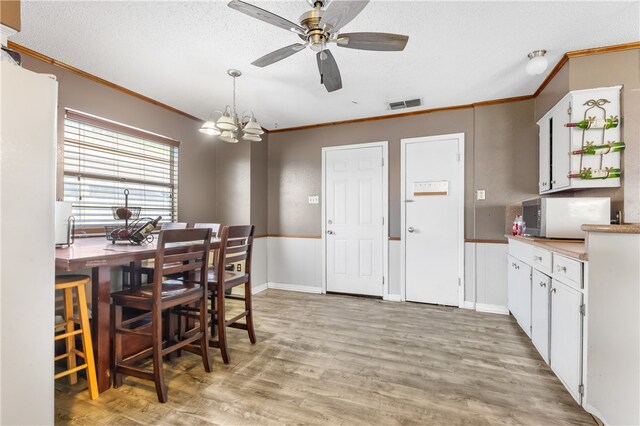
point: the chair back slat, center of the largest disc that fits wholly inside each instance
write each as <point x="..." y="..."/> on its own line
<point x="183" y="251"/>
<point x="236" y="245"/>
<point x="177" y="268"/>
<point x="173" y="225"/>
<point x="184" y="256"/>
<point x="215" y="227"/>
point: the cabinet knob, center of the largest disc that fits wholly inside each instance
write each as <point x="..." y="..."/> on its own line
<point x="553" y="290"/>
<point x="542" y="284"/>
<point x="561" y="269"/>
<point x="538" y="258"/>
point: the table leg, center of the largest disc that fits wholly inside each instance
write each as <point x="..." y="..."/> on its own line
<point x="101" y="330"/>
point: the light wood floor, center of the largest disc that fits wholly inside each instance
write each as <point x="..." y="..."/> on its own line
<point x="328" y="359"/>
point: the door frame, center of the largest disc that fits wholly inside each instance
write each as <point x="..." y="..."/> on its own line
<point x="385" y="210"/>
<point x="403" y="183"/>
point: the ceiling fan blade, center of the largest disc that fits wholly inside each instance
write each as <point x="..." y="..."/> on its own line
<point x="373" y="41"/>
<point x="266" y="16"/>
<point x="329" y="72"/>
<point x="340" y="12"/>
<point x="278" y="55"/>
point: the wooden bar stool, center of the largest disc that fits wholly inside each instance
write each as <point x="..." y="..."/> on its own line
<point x="67" y="283"/>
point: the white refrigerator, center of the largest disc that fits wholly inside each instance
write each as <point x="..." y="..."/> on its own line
<point x="28" y="111"/>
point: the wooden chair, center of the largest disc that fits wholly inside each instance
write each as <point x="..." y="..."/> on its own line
<point x="132" y="274"/>
<point x="66" y="284"/>
<point x="179" y="251"/>
<point x="236" y="245"/>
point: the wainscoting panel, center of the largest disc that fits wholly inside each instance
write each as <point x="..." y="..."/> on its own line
<point x="486" y="277"/>
<point x="394" y="271"/>
<point x="294" y="262"/>
<point x="259" y="264"/>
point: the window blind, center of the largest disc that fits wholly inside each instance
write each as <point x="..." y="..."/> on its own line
<point x="103" y="158"/>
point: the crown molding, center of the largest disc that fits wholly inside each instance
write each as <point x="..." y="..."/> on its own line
<point x="565" y="58"/>
<point x="37" y="55"/>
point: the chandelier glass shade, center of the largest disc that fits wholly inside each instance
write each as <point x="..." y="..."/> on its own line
<point x="229" y="125"/>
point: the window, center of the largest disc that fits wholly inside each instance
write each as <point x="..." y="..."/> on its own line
<point x="103" y="158"/>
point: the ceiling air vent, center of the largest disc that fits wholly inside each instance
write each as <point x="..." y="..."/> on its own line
<point x="411" y="103"/>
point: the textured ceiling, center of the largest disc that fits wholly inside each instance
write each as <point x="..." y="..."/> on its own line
<point x="177" y="52"/>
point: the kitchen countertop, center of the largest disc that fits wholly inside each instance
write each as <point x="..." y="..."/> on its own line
<point x="576" y="249"/>
<point x="628" y="228"/>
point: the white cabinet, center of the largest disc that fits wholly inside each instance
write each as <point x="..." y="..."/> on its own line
<point x="560" y="161"/>
<point x="566" y="336"/>
<point x="557" y="141"/>
<point x="545" y="295"/>
<point x="519" y="292"/>
<point x="540" y="286"/>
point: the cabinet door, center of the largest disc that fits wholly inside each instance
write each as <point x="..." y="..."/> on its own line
<point x="560" y="146"/>
<point x="540" y="285"/>
<point x="512" y="288"/>
<point x="566" y="336"/>
<point x="524" y="297"/>
<point x="545" y="156"/>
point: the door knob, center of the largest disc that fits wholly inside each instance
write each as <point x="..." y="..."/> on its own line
<point x="411" y="229"/>
<point x="330" y="232"/>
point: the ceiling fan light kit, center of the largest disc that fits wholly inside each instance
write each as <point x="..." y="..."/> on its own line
<point x="228" y="126"/>
<point x="537" y="62"/>
<point x="319" y="27"/>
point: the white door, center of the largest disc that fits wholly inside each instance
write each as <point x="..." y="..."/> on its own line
<point x="432" y="234"/>
<point x="354" y="220"/>
<point x="540" y="285"/>
<point x="566" y="336"/>
<point x="560" y="146"/>
<point x="512" y="287"/>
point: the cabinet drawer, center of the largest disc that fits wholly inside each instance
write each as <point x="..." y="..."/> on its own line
<point x="541" y="260"/>
<point x="567" y="270"/>
<point x="521" y="251"/>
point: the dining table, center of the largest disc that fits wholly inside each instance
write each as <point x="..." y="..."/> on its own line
<point x="100" y="255"/>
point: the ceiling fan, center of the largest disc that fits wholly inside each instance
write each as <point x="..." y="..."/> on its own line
<point x="317" y="28"/>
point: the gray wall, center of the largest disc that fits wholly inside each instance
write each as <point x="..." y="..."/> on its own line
<point x="259" y="186"/>
<point x="503" y="133"/>
<point x="553" y="92"/>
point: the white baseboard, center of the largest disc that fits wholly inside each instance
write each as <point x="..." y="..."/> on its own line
<point x="492" y="309"/>
<point x="294" y="287"/>
<point x="393" y="298"/>
<point x="468" y="305"/>
<point x="259" y="288"/>
<point x="591" y="410"/>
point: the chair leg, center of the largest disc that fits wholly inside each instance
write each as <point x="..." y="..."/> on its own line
<point x="158" y="371"/>
<point x="70" y="327"/>
<point x="116" y="315"/>
<point x="204" y="330"/>
<point x="249" y="308"/>
<point x="222" y="329"/>
<point x="87" y="345"/>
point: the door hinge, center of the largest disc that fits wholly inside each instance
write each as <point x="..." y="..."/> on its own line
<point x="383" y="280"/>
<point x="569" y="110"/>
<point x="583" y="309"/>
<point x="459" y="282"/>
<point x="458" y="156"/>
<point x="581" y="390"/>
<point x="382" y="161"/>
<point x="383" y="220"/>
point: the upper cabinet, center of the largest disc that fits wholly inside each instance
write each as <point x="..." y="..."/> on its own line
<point x="588" y="154"/>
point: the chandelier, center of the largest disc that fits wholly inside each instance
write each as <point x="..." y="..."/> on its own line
<point x="229" y="125"/>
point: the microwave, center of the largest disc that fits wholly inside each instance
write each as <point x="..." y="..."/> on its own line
<point x="563" y="217"/>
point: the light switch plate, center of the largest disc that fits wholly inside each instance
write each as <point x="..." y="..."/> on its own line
<point x="481" y="194"/>
<point x="314" y="199"/>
